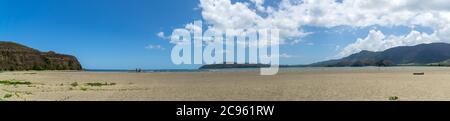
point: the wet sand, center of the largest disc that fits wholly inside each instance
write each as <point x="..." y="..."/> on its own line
<point x="327" y="84"/>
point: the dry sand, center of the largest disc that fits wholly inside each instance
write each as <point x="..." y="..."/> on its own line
<point x="290" y="84"/>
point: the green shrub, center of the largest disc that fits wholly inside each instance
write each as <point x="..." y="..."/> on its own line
<point x="74" y="84"/>
<point x="83" y="88"/>
<point x="7" y="96"/>
<point x="14" y="82"/>
<point x="393" y="98"/>
<point x="100" y="84"/>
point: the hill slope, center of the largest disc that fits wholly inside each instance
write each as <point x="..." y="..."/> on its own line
<point x="14" y="57"/>
<point x="423" y="54"/>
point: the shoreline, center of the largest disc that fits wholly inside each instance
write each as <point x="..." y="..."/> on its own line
<point x="220" y="69"/>
<point x="313" y="84"/>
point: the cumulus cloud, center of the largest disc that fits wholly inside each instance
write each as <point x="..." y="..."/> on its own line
<point x="259" y="4"/>
<point x="377" y="41"/>
<point x="289" y="16"/>
<point x="363" y="13"/>
<point x="225" y="15"/>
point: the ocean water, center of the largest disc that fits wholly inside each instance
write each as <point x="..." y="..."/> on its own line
<point x="143" y="71"/>
<point x="289" y="69"/>
<point x="173" y="70"/>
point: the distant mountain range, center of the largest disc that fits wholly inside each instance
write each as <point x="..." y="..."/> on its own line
<point x="434" y="54"/>
<point x="14" y="57"/>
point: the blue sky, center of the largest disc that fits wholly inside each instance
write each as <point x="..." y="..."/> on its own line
<point x="108" y="34"/>
<point x="114" y="34"/>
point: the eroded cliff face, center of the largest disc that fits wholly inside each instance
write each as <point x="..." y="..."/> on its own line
<point x="16" y="57"/>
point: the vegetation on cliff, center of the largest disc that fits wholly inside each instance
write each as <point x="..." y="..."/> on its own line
<point x="16" y="57"/>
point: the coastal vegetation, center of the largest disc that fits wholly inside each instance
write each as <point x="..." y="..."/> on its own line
<point x="98" y="84"/>
<point x="74" y="84"/>
<point x="14" y="82"/>
<point x="393" y="98"/>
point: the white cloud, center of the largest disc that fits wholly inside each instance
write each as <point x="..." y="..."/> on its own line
<point x="259" y="4"/>
<point x="363" y="13"/>
<point x="162" y="35"/>
<point x="377" y="41"/>
<point x="289" y="16"/>
<point x="224" y="15"/>
<point x="155" y="47"/>
<point x="434" y="14"/>
<point x="284" y="55"/>
<point x="193" y="26"/>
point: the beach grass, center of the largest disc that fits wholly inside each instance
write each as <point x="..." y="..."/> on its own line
<point x="98" y="84"/>
<point x="7" y="96"/>
<point x="14" y="82"/>
<point x="74" y="84"/>
<point x="83" y="88"/>
<point x="393" y="98"/>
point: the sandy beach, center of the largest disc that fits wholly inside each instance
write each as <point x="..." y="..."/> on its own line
<point x="329" y="84"/>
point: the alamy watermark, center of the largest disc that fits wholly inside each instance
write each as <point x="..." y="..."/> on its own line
<point x="214" y="46"/>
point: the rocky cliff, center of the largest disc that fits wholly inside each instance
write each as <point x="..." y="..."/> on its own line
<point x="15" y="57"/>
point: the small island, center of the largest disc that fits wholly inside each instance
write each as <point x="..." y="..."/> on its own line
<point x="233" y="65"/>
